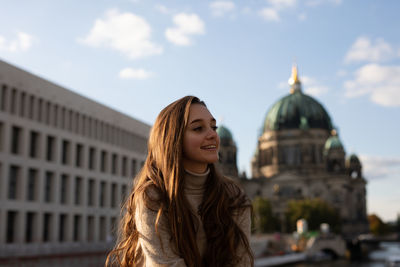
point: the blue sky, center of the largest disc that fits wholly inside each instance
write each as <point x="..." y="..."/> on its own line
<point x="137" y="56"/>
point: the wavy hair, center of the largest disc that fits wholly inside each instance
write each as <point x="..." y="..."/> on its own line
<point x="163" y="174"/>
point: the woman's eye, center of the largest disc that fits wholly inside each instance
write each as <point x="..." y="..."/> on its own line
<point x="198" y="129"/>
<point x="214" y="127"/>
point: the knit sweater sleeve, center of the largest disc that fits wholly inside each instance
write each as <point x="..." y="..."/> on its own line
<point x="243" y="220"/>
<point x="156" y="249"/>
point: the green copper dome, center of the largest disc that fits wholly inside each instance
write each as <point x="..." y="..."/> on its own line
<point x="333" y="142"/>
<point x="224" y="133"/>
<point x="353" y="159"/>
<point x="297" y="111"/>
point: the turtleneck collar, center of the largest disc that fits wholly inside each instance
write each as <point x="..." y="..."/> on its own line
<point x="195" y="182"/>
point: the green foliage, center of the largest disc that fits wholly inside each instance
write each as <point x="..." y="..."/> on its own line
<point x="377" y="226"/>
<point x="263" y="220"/>
<point x="314" y="211"/>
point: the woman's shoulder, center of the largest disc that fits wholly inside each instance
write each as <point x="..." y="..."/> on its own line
<point x="235" y="191"/>
<point x="150" y="197"/>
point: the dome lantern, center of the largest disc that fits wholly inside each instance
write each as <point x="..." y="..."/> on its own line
<point x="297" y="110"/>
<point x="294" y="81"/>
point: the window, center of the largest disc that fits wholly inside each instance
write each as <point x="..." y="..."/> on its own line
<point x="123" y="193"/>
<point x="11" y="226"/>
<point x="3" y="97"/>
<point x="113" y="195"/>
<point x="102" y="229"/>
<point x="78" y="190"/>
<point x="31" y="106"/>
<point x="62" y="228"/>
<point x="91" y="192"/>
<point x="90" y="228"/>
<point x="114" y="227"/>
<point x="70" y="119"/>
<point x="102" y="196"/>
<point x="79" y="157"/>
<point x="103" y="165"/>
<point x="55" y="116"/>
<point x="63" y="118"/>
<point x="34" y="144"/>
<point x="64" y="189"/>
<point x="77" y="119"/>
<point x="32" y="183"/>
<point x="77" y="227"/>
<point x="114" y="164"/>
<point x="65" y="152"/>
<point x="47" y="226"/>
<point x="50" y="148"/>
<point x="133" y="167"/>
<point x="16" y="140"/>
<point x="22" y="104"/>
<point x="29" y="227"/>
<point x="48" y="187"/>
<point x="1" y="135"/>
<point x="124" y="166"/>
<point x="92" y="158"/>
<point x="48" y="112"/>
<point x="13" y="183"/>
<point x="13" y="107"/>
<point x="40" y="109"/>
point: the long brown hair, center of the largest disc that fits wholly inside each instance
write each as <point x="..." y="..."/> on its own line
<point x="163" y="174"/>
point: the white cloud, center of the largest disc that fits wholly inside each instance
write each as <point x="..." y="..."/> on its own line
<point x="321" y="2"/>
<point x="313" y="87"/>
<point x="124" y="32"/>
<point x="136" y="74"/>
<point x="378" y="167"/>
<point x="220" y="8"/>
<point x="366" y="50"/>
<point x="21" y="43"/>
<point x="381" y="83"/>
<point x="269" y="14"/>
<point x="341" y="73"/>
<point x="281" y="4"/>
<point x="185" y="26"/>
<point x="163" y="9"/>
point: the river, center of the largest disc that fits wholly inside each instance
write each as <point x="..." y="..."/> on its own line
<point x="376" y="258"/>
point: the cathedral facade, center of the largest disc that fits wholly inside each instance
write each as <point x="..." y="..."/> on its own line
<point x="299" y="155"/>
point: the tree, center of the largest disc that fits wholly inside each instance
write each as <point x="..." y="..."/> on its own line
<point x="263" y="220"/>
<point x="376" y="225"/>
<point x="314" y="211"/>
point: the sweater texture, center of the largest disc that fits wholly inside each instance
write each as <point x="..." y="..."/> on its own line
<point x="156" y="250"/>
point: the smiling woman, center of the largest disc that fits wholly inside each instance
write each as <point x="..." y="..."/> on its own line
<point x="182" y="211"/>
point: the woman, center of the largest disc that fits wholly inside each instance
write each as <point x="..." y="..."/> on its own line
<point x="181" y="211"/>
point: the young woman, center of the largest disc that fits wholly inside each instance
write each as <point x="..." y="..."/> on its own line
<point x="182" y="211"/>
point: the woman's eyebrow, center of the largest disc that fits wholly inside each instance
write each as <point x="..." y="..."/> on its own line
<point x="200" y="120"/>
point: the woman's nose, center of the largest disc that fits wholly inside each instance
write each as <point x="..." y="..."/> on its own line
<point x="211" y="133"/>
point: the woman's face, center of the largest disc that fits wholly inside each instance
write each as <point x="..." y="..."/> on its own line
<point x="200" y="140"/>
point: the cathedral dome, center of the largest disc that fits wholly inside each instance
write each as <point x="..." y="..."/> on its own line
<point x="333" y="142"/>
<point x="353" y="159"/>
<point x="297" y="111"/>
<point x="224" y="133"/>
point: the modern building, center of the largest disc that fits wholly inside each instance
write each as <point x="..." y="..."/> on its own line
<point x="299" y="155"/>
<point x="66" y="165"/>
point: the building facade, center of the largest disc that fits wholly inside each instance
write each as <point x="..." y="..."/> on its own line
<point x="66" y="165"/>
<point x="299" y="155"/>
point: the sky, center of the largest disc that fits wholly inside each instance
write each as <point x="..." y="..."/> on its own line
<point x="137" y="56"/>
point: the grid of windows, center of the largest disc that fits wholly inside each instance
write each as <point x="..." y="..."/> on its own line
<point x="18" y="102"/>
<point x="50" y="184"/>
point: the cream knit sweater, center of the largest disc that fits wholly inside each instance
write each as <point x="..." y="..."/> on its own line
<point x="149" y="242"/>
